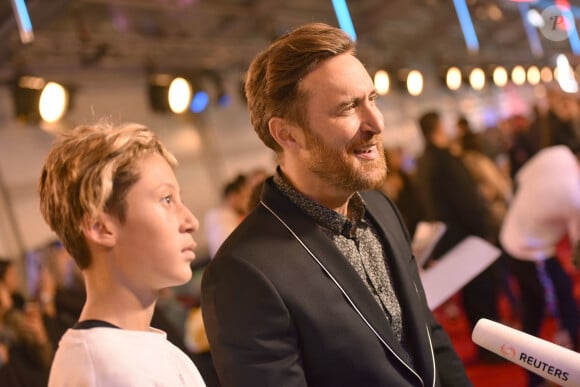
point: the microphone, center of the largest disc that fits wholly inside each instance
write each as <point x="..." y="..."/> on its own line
<point x="551" y="361"/>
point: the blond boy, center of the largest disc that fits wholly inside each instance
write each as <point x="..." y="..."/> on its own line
<point x="111" y="196"/>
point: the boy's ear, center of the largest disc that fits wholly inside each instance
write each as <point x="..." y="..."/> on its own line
<point x="286" y="134"/>
<point x="100" y="230"/>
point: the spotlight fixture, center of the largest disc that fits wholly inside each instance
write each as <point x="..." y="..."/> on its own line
<point x="36" y="99"/>
<point x="186" y="91"/>
<point x="168" y="93"/>
<point x="53" y="102"/>
<point x="179" y="95"/>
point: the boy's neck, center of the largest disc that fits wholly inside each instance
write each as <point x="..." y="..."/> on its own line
<point x="123" y="316"/>
<point x="118" y="305"/>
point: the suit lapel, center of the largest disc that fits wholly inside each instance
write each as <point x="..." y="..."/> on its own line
<point x="335" y="263"/>
<point x="400" y="256"/>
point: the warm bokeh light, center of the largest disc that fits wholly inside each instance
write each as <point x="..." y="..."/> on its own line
<point x="453" y="78"/>
<point x="382" y="82"/>
<point x="546" y="74"/>
<point x="533" y="75"/>
<point x="477" y="79"/>
<point x="500" y="76"/>
<point x="518" y="75"/>
<point x="53" y="102"/>
<point x="179" y="95"/>
<point x="415" y="82"/>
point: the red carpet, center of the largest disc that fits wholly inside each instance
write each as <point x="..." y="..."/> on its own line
<point x="485" y="374"/>
<point x="481" y="374"/>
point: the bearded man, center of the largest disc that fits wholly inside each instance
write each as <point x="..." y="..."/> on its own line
<point x="318" y="285"/>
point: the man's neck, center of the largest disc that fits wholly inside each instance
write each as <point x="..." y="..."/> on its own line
<point x="318" y="191"/>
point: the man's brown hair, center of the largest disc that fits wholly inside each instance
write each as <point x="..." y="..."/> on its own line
<point x="273" y="80"/>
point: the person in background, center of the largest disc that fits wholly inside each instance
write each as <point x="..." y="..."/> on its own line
<point x="10" y="279"/>
<point x="545" y="209"/>
<point x="401" y="186"/>
<point x="222" y="220"/>
<point x="26" y="351"/>
<point x="59" y="290"/>
<point x="111" y="196"/>
<point x="495" y="187"/>
<point x="451" y="195"/>
<point x="523" y="141"/>
<point x="493" y="184"/>
<point x="318" y="285"/>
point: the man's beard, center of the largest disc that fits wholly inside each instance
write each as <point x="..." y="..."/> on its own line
<point x="342" y="169"/>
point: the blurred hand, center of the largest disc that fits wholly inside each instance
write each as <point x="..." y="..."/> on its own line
<point x="46" y="291"/>
<point x="5" y="299"/>
<point x="4" y="354"/>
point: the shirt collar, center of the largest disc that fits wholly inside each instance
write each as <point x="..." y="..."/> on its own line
<point x="324" y="216"/>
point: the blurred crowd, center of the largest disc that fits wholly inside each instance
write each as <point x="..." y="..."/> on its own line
<point x="465" y="178"/>
<point x="518" y="187"/>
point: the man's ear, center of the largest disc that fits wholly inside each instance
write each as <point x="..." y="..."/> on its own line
<point x="286" y="134"/>
<point x="101" y="230"/>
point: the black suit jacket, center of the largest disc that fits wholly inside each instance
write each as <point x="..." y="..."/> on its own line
<point x="283" y="307"/>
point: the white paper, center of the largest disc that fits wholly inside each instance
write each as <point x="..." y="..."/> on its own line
<point x="456" y="268"/>
<point x="426" y="236"/>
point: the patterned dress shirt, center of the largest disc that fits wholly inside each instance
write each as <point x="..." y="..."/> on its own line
<point x="359" y="242"/>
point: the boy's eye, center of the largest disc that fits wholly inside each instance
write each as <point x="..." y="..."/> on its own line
<point x="168" y="199"/>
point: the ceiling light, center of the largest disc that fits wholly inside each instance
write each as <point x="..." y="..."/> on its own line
<point x="500" y="76"/>
<point x="168" y="93"/>
<point x="382" y="82"/>
<point x="415" y="82"/>
<point x="179" y="95"/>
<point x="518" y="75"/>
<point x="53" y="102"/>
<point x="546" y="74"/>
<point x="533" y="75"/>
<point x="36" y="99"/>
<point x="477" y="79"/>
<point x="453" y="78"/>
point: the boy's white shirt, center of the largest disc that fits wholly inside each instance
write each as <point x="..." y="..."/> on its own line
<point x="117" y="357"/>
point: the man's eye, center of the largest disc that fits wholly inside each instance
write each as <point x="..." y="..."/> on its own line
<point x="348" y="107"/>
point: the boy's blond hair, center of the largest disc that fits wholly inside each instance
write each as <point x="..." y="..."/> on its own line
<point x="90" y="170"/>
